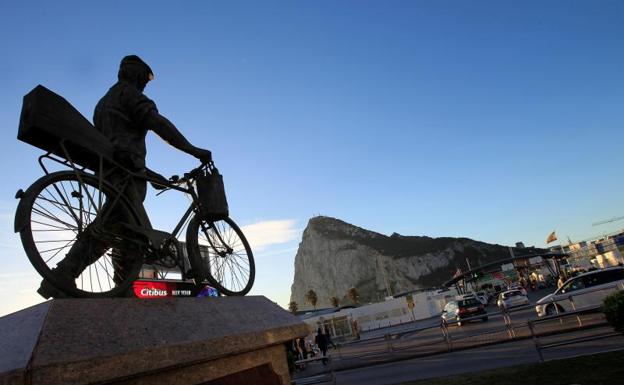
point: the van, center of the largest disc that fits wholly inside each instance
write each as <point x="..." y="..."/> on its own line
<point x="585" y="290"/>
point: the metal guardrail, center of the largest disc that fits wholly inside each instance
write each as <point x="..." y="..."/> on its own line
<point x="577" y="313"/>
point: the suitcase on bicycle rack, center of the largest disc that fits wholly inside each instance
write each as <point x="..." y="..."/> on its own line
<point x="47" y="119"/>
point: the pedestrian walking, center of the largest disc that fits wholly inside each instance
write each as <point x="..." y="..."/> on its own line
<point x="321" y="342"/>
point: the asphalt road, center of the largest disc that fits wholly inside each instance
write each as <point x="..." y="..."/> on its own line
<point x="476" y="360"/>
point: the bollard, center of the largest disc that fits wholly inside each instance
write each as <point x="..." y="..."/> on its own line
<point x="578" y="317"/>
<point x="389" y="342"/>
<point x="507" y="319"/>
<point x="447" y="337"/>
<point x="332" y="373"/>
<point x="535" y="341"/>
<point x="552" y="300"/>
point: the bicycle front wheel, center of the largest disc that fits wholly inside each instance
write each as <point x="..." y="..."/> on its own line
<point x="57" y="216"/>
<point x="221" y="254"/>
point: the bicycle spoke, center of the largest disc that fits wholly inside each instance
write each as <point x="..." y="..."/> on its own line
<point x="231" y="275"/>
<point x="240" y="267"/>
<point x="54" y="249"/>
<point x="55" y="240"/>
<point x="106" y="269"/>
<point x="91" y="202"/>
<point x="42" y="211"/>
<point x="90" y="279"/>
<point x="58" y="228"/>
<point x="103" y="266"/>
<point x="235" y="276"/>
<point x="65" y="199"/>
<point x="61" y="206"/>
<point x="49" y="215"/>
<point x="83" y="190"/>
<point x="39" y="231"/>
<point x="88" y="219"/>
<point x="59" y="250"/>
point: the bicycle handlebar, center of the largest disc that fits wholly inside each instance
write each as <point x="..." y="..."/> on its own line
<point x="194" y="173"/>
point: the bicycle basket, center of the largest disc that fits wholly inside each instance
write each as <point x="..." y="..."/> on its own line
<point x="213" y="204"/>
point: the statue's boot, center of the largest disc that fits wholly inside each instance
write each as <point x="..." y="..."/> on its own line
<point x="47" y="290"/>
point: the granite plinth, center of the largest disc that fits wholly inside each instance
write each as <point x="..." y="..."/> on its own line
<point x="134" y="341"/>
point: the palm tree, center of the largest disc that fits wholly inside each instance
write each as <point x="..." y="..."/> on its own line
<point x="334" y="301"/>
<point x="353" y="295"/>
<point x="312" y="298"/>
<point x="292" y="306"/>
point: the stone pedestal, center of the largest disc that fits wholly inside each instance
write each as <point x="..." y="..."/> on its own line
<point x="226" y="340"/>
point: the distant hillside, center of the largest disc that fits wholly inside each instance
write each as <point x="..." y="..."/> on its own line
<point x="334" y="256"/>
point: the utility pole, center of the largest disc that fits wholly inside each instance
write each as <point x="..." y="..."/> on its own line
<point x="385" y="277"/>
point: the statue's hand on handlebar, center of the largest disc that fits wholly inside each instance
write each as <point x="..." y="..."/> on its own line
<point x="205" y="156"/>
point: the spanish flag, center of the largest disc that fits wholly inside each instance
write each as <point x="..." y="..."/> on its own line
<point x="551" y="238"/>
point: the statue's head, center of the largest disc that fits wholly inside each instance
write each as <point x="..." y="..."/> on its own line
<point x="135" y="71"/>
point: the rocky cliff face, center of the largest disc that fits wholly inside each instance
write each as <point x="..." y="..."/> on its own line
<point x="334" y="256"/>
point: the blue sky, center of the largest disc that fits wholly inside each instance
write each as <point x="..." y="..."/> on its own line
<point x="495" y="120"/>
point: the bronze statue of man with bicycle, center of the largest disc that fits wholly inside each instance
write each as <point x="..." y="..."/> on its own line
<point x="84" y="228"/>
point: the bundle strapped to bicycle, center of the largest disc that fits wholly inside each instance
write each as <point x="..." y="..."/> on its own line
<point x="213" y="204"/>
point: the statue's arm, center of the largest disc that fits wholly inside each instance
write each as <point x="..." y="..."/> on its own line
<point x="168" y="132"/>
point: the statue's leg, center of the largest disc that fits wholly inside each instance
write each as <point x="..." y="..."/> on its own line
<point x="85" y="250"/>
<point x="122" y="259"/>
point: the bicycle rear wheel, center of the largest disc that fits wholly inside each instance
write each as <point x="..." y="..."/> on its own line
<point x="222" y="255"/>
<point x="58" y="214"/>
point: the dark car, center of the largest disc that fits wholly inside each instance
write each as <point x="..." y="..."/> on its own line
<point x="459" y="310"/>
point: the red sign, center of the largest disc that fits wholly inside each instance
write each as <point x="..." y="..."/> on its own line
<point x="164" y="289"/>
<point x="151" y="289"/>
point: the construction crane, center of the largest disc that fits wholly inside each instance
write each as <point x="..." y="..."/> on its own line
<point x="614" y="219"/>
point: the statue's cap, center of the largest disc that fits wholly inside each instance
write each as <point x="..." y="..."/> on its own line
<point x="131" y="60"/>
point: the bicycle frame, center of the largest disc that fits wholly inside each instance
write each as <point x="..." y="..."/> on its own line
<point x="129" y="177"/>
<point x="102" y="200"/>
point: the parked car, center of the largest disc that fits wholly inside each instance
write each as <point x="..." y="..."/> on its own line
<point x="586" y="290"/>
<point x="517" y="286"/>
<point x="460" y="309"/>
<point x="511" y="298"/>
<point x="479" y="296"/>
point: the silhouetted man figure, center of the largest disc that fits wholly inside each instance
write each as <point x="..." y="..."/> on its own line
<point x="124" y="115"/>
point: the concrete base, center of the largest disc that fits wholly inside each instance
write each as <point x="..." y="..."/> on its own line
<point x="132" y="341"/>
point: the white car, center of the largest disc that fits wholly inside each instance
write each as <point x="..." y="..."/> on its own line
<point x="511" y="298"/>
<point x="517" y="286"/>
<point x="585" y="290"/>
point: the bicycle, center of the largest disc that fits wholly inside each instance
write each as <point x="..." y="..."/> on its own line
<point x="72" y="205"/>
<point x="64" y="206"/>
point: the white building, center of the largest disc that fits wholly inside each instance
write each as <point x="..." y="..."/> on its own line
<point x="347" y="323"/>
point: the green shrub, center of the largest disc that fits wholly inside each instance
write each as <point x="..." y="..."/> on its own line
<point x="613" y="308"/>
